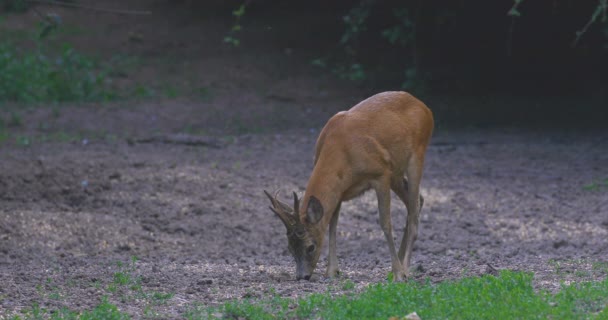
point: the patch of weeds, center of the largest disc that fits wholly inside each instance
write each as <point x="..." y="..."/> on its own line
<point x="55" y="295"/>
<point x="105" y="310"/>
<point x="390" y="277"/>
<point x="23" y="141"/>
<point x="141" y="91"/>
<point x="121" y="278"/>
<point x="597" y="185"/>
<point x="39" y="289"/>
<point x="556" y="265"/>
<point x="170" y="92"/>
<point x="601" y="266"/>
<point x="112" y="287"/>
<point x="124" y="278"/>
<point x="35" y="312"/>
<point x="511" y="295"/>
<point x="161" y="297"/>
<point x="150" y="313"/>
<point x="348" y="285"/>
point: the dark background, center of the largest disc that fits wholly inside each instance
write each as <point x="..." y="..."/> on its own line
<point x="474" y="63"/>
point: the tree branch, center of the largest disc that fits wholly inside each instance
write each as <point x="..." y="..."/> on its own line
<point x="601" y="8"/>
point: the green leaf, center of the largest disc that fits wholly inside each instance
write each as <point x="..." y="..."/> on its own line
<point x="239" y="12"/>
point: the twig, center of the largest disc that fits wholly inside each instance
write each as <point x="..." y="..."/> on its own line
<point x="184" y="139"/>
<point x="491" y="270"/>
<point x="79" y="6"/>
<point x="601" y="8"/>
<point x="513" y="12"/>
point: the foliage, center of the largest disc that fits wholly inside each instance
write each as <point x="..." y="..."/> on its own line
<point x="236" y="28"/>
<point x="41" y="75"/>
<point x="38" y="77"/>
<point x="354" y="24"/>
<point x="400" y="34"/>
<point x="508" y="296"/>
<point x="14" y="5"/>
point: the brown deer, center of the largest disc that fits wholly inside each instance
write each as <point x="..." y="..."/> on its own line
<point x="371" y="146"/>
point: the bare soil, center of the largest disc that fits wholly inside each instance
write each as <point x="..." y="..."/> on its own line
<point x="196" y="218"/>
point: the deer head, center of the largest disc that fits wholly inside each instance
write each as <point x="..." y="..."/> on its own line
<point x="303" y="238"/>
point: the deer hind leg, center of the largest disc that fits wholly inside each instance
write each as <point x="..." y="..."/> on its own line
<point x="399" y="187"/>
<point x="332" y="263"/>
<point x="410" y="195"/>
<point x="384" y="207"/>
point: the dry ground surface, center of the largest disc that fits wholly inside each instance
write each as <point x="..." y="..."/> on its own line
<point x="106" y="186"/>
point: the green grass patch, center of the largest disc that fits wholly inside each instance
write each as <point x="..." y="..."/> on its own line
<point x="508" y="296"/>
<point x="597" y="185"/>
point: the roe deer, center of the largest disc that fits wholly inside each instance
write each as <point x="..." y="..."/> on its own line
<point x="371" y="146"/>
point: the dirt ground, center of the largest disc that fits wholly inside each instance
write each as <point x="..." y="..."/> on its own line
<point x="76" y="209"/>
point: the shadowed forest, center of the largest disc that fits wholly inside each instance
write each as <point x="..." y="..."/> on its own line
<point x="137" y="137"/>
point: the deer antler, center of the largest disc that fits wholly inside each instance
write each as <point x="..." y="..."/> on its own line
<point x="282" y="210"/>
<point x="296" y="204"/>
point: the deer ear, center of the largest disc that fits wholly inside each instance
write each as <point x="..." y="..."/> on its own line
<point x="314" y="212"/>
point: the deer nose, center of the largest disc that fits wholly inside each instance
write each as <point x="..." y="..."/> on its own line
<point x="307" y="277"/>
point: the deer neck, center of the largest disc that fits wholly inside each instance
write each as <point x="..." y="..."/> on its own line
<point x="327" y="183"/>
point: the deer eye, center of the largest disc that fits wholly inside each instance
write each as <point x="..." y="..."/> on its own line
<point x="311" y="249"/>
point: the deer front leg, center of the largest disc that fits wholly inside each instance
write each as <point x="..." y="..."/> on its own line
<point x="384" y="208"/>
<point x="332" y="263"/>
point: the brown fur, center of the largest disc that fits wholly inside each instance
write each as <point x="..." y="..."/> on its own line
<point x="371" y="146"/>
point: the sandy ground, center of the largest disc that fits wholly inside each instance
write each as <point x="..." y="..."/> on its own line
<point x="197" y="219"/>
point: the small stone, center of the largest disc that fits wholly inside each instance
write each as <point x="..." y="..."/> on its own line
<point x="412" y="316"/>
